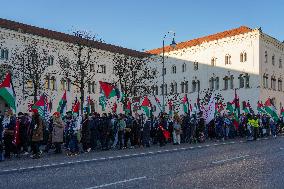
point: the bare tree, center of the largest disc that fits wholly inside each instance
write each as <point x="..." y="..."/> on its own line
<point x="30" y="62"/>
<point x="133" y="74"/>
<point x="79" y="68"/>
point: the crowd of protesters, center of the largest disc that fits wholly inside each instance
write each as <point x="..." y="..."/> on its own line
<point x="75" y="134"/>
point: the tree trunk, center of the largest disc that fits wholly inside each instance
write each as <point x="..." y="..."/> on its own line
<point x="82" y="92"/>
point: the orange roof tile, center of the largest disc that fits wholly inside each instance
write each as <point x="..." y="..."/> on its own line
<point x="24" y="28"/>
<point x="198" y="41"/>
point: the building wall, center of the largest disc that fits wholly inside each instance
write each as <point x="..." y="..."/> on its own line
<point x="270" y="47"/>
<point x="233" y="46"/>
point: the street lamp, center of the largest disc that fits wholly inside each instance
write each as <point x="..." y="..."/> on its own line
<point x="173" y="45"/>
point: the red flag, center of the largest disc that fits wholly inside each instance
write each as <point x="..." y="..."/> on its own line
<point x="106" y="87"/>
<point x="76" y="107"/>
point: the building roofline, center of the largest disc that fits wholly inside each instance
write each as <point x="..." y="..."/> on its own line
<point x="33" y="30"/>
<point x="198" y="41"/>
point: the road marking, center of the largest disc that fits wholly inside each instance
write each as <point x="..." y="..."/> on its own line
<point x="118" y="182"/>
<point x="229" y="159"/>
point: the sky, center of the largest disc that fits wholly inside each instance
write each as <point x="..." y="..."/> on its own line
<point x="141" y="24"/>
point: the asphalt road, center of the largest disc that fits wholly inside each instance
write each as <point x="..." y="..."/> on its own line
<point x="233" y="164"/>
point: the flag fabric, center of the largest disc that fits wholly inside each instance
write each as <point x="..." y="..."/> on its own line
<point x="109" y="90"/>
<point x="76" y="107"/>
<point x="246" y="108"/>
<point x="185" y="104"/>
<point x="128" y="107"/>
<point x="146" y="106"/>
<point x="16" y="140"/>
<point x="62" y="104"/>
<point x="159" y="104"/>
<point x="114" y="107"/>
<point x="282" y="112"/>
<point x="41" y="106"/>
<point x="260" y="108"/>
<point x="7" y="92"/>
<point x="270" y="109"/>
<point x="210" y="110"/>
<point x="102" y="102"/>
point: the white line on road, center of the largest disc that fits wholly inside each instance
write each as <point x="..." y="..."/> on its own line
<point x="118" y="182"/>
<point x="229" y="159"/>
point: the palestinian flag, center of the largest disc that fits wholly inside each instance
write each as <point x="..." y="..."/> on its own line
<point x="114" y="108"/>
<point x="270" y="109"/>
<point x="282" y="112"/>
<point x="7" y="92"/>
<point x="41" y="106"/>
<point x="102" y="102"/>
<point x="159" y="103"/>
<point x="185" y="104"/>
<point x="87" y="105"/>
<point x="109" y="90"/>
<point x="260" y="108"/>
<point x="76" y="107"/>
<point x="170" y="104"/>
<point x="62" y="105"/>
<point x="128" y="107"/>
<point x="246" y="108"/>
<point x="146" y="106"/>
<point x="230" y="107"/>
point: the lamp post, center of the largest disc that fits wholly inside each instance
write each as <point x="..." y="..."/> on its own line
<point x="173" y="45"/>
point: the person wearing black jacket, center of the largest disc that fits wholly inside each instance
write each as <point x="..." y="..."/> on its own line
<point x="9" y="123"/>
<point x="94" y="130"/>
<point x="104" y="129"/>
<point x="24" y="126"/>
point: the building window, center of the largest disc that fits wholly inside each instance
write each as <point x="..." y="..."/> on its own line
<point x="265" y="81"/>
<point x="29" y="84"/>
<point x="241" y="81"/>
<point x="198" y="85"/>
<point x="195" y="65"/>
<point x="50" y="60"/>
<point x="245" y="56"/>
<point x="172" y="88"/>
<point x="47" y="82"/>
<point x="280" y="63"/>
<point x="53" y="83"/>
<point x="213" y="61"/>
<point x="273" y="60"/>
<point x="211" y="84"/>
<point x="241" y="57"/>
<point x="182" y="87"/>
<point x="93" y="87"/>
<point x="227" y="59"/>
<point x="247" y="80"/>
<point x="4" y="54"/>
<point x="231" y="81"/>
<point x="265" y="57"/>
<point x="217" y="83"/>
<point x="164" y="71"/>
<point x="101" y="69"/>
<point x="164" y="90"/>
<point x="92" y="67"/>
<point x="279" y="84"/>
<point x="226" y="82"/>
<point x="193" y="88"/>
<point x="89" y="87"/>
<point x="186" y="86"/>
<point x="63" y="84"/>
<point x="68" y="85"/>
<point x="175" y="88"/>
<point x="174" y="69"/>
<point x="184" y="67"/>
<point x="273" y="83"/>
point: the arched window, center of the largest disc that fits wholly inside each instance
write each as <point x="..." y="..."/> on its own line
<point x="174" y="69"/>
<point x="50" y="60"/>
<point x="47" y="82"/>
<point x="63" y="84"/>
<point x="273" y="82"/>
<point x="93" y="87"/>
<point x="68" y="85"/>
<point x="193" y="86"/>
<point x="247" y="80"/>
<point x="273" y="60"/>
<point x="241" y="81"/>
<point x="265" y="57"/>
<point x="53" y="83"/>
<point x="280" y="63"/>
<point x="183" y="67"/>
<point x="279" y="84"/>
<point x="211" y="83"/>
<point x="195" y="65"/>
<point x="241" y="57"/>
<point x="89" y="87"/>
<point x="217" y="83"/>
<point x="213" y="61"/>
<point x="265" y="80"/>
<point x="182" y="87"/>
<point x="186" y="86"/>
<point x="227" y="59"/>
<point x="245" y="56"/>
